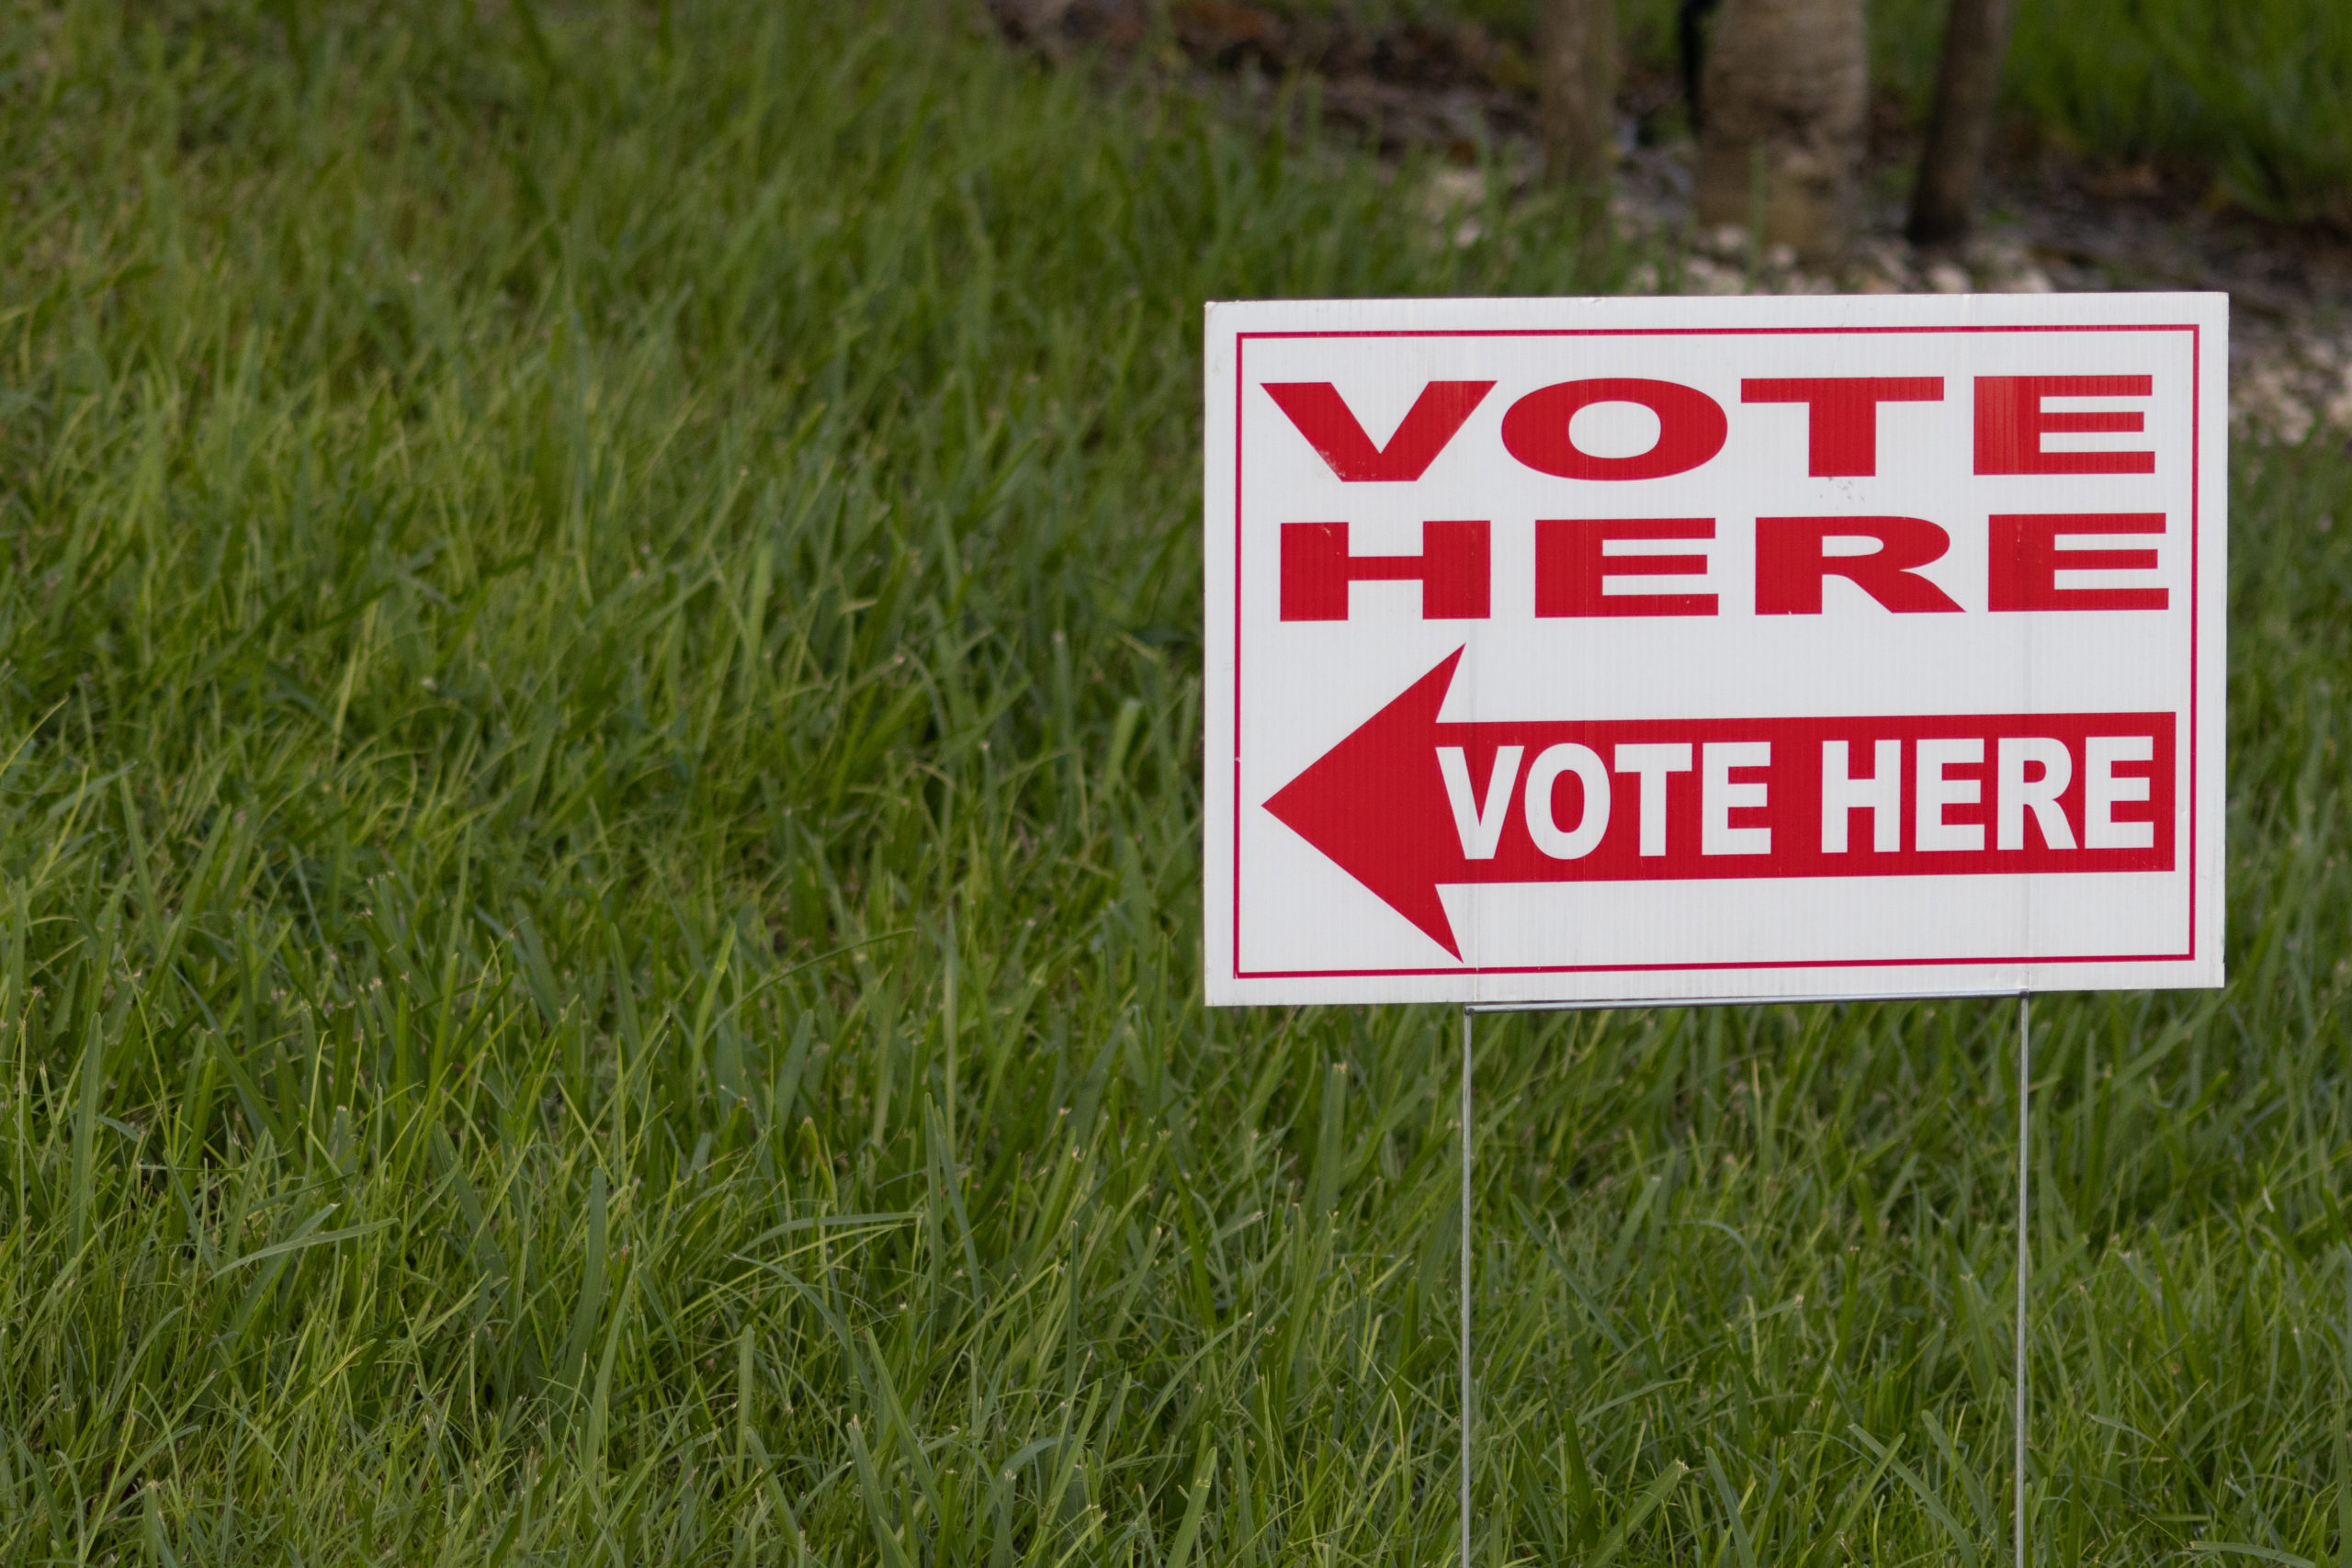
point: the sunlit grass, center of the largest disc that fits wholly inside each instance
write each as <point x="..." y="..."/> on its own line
<point x="597" y="914"/>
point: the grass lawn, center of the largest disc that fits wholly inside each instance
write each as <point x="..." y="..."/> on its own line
<point x="599" y="688"/>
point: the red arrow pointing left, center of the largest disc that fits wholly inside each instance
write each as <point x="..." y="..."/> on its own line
<point x="1375" y="803"/>
<point x="1726" y="797"/>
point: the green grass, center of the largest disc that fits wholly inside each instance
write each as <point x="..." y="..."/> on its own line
<point x="598" y="897"/>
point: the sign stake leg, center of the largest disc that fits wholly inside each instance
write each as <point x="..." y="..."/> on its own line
<point x="1465" y="1288"/>
<point x="2025" y="1134"/>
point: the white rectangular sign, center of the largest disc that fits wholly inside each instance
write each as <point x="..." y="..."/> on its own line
<point x="1656" y="649"/>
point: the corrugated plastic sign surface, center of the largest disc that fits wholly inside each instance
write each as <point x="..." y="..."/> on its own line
<point x="1658" y="650"/>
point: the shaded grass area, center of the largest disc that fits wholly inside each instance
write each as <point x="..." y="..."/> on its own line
<point x="2257" y="94"/>
<point x="597" y="899"/>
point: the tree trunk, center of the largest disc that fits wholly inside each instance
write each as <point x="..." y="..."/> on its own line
<point x="1577" y="67"/>
<point x="1786" y="88"/>
<point x="1691" y="40"/>
<point x="1960" y="129"/>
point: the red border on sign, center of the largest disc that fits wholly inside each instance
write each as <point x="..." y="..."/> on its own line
<point x="2196" y="456"/>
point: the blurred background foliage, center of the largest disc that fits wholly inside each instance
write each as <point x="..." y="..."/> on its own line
<point x="2251" y="96"/>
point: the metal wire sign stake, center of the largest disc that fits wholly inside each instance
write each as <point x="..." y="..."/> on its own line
<point x="1573" y="653"/>
<point x="1466" y="1387"/>
<point x="2025" y="1170"/>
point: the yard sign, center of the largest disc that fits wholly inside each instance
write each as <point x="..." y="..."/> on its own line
<point x="1569" y="651"/>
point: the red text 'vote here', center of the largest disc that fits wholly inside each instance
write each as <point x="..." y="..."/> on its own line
<point x="1809" y="796"/>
